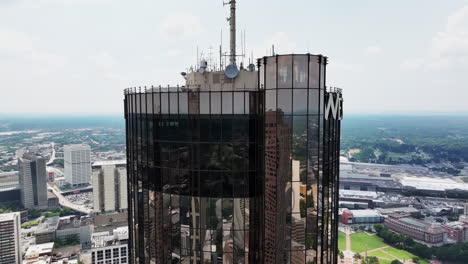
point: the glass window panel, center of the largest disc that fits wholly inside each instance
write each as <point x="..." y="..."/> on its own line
<point x="314" y="72"/>
<point x="227" y="103"/>
<point x="137" y="103"/>
<point x="183" y="103"/>
<point x="285" y="71"/>
<point x="174" y="103"/>
<point x="313" y="131"/>
<point x="194" y="102"/>
<point x="247" y="105"/>
<point x="238" y="102"/>
<point x="300" y="131"/>
<point x="157" y="103"/>
<point x="262" y="74"/>
<point x="216" y="130"/>
<point x="270" y="100"/>
<point x="285" y="101"/>
<point x="314" y="102"/>
<point x="300" y="70"/>
<point x="164" y="103"/>
<point x="270" y="77"/>
<point x="322" y="74"/>
<point x="215" y="103"/>
<point x="204" y="103"/>
<point x="227" y="129"/>
<point x="300" y="101"/>
<point x="149" y="103"/>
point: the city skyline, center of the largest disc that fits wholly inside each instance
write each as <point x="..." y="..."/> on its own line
<point x="75" y="59"/>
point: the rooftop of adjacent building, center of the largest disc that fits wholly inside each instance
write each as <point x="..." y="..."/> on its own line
<point x="9" y="216"/>
<point x="49" y="225"/>
<point x="100" y="163"/>
<point x="365" y="213"/>
<point x="73" y="221"/>
<point x="40" y="249"/>
<point x="77" y="147"/>
<point x="117" y="236"/>
<point x="29" y="156"/>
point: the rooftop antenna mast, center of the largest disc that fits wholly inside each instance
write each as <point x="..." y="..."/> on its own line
<point x="232" y="23"/>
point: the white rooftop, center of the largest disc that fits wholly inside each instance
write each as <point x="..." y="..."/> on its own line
<point x="365" y="213"/>
<point x="36" y="250"/>
<point x="367" y="194"/>
<point x="428" y="183"/>
<point x="8" y="216"/>
<point x="109" y="162"/>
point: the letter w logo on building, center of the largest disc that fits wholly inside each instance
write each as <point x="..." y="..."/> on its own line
<point x="335" y="104"/>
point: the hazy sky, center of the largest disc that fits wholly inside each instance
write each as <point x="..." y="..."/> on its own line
<point x="76" y="56"/>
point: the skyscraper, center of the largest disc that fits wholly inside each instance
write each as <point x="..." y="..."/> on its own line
<point x="77" y="163"/>
<point x="33" y="181"/>
<point x="109" y="188"/>
<point x="237" y="166"/>
<point x="224" y="162"/>
<point x="10" y="251"/>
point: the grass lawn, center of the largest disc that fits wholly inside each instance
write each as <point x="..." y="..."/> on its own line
<point x="384" y="261"/>
<point x="380" y="253"/>
<point x="399" y="253"/>
<point x="361" y="242"/>
<point x="341" y="241"/>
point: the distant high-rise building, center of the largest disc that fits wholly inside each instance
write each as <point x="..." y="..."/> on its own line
<point x="109" y="188"/>
<point x="236" y="166"/>
<point x="77" y="163"/>
<point x="10" y="250"/>
<point x="33" y="181"/>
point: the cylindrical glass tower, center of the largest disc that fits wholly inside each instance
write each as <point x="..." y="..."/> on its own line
<point x="193" y="164"/>
<point x="301" y="159"/>
<point x="237" y="170"/>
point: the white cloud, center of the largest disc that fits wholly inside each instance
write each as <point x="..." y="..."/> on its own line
<point x="103" y="61"/>
<point x="20" y="45"/>
<point x="373" y="49"/>
<point x="14" y="41"/>
<point x="180" y="26"/>
<point x="448" y="48"/>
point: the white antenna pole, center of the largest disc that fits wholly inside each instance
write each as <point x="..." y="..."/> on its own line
<point x="232" y="22"/>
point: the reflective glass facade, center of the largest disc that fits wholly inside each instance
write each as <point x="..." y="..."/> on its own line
<point x="242" y="176"/>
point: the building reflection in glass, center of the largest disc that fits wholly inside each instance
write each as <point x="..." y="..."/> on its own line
<point x="242" y="175"/>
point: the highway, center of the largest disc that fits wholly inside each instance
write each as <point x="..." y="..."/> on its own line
<point x="66" y="203"/>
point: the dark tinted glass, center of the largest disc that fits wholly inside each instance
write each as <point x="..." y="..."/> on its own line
<point x="300" y="71"/>
<point x="285" y="72"/>
<point x="314" y="102"/>
<point x="285" y="101"/>
<point x="270" y="78"/>
<point x="300" y="101"/>
<point x="270" y="100"/>
<point x="314" y="72"/>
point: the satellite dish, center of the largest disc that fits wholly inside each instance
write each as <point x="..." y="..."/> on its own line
<point x="231" y="71"/>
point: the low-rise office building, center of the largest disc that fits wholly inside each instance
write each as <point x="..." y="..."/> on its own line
<point x="45" y="232"/>
<point x="429" y="234"/>
<point x="39" y="253"/>
<point x="74" y="225"/>
<point x="361" y="217"/>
